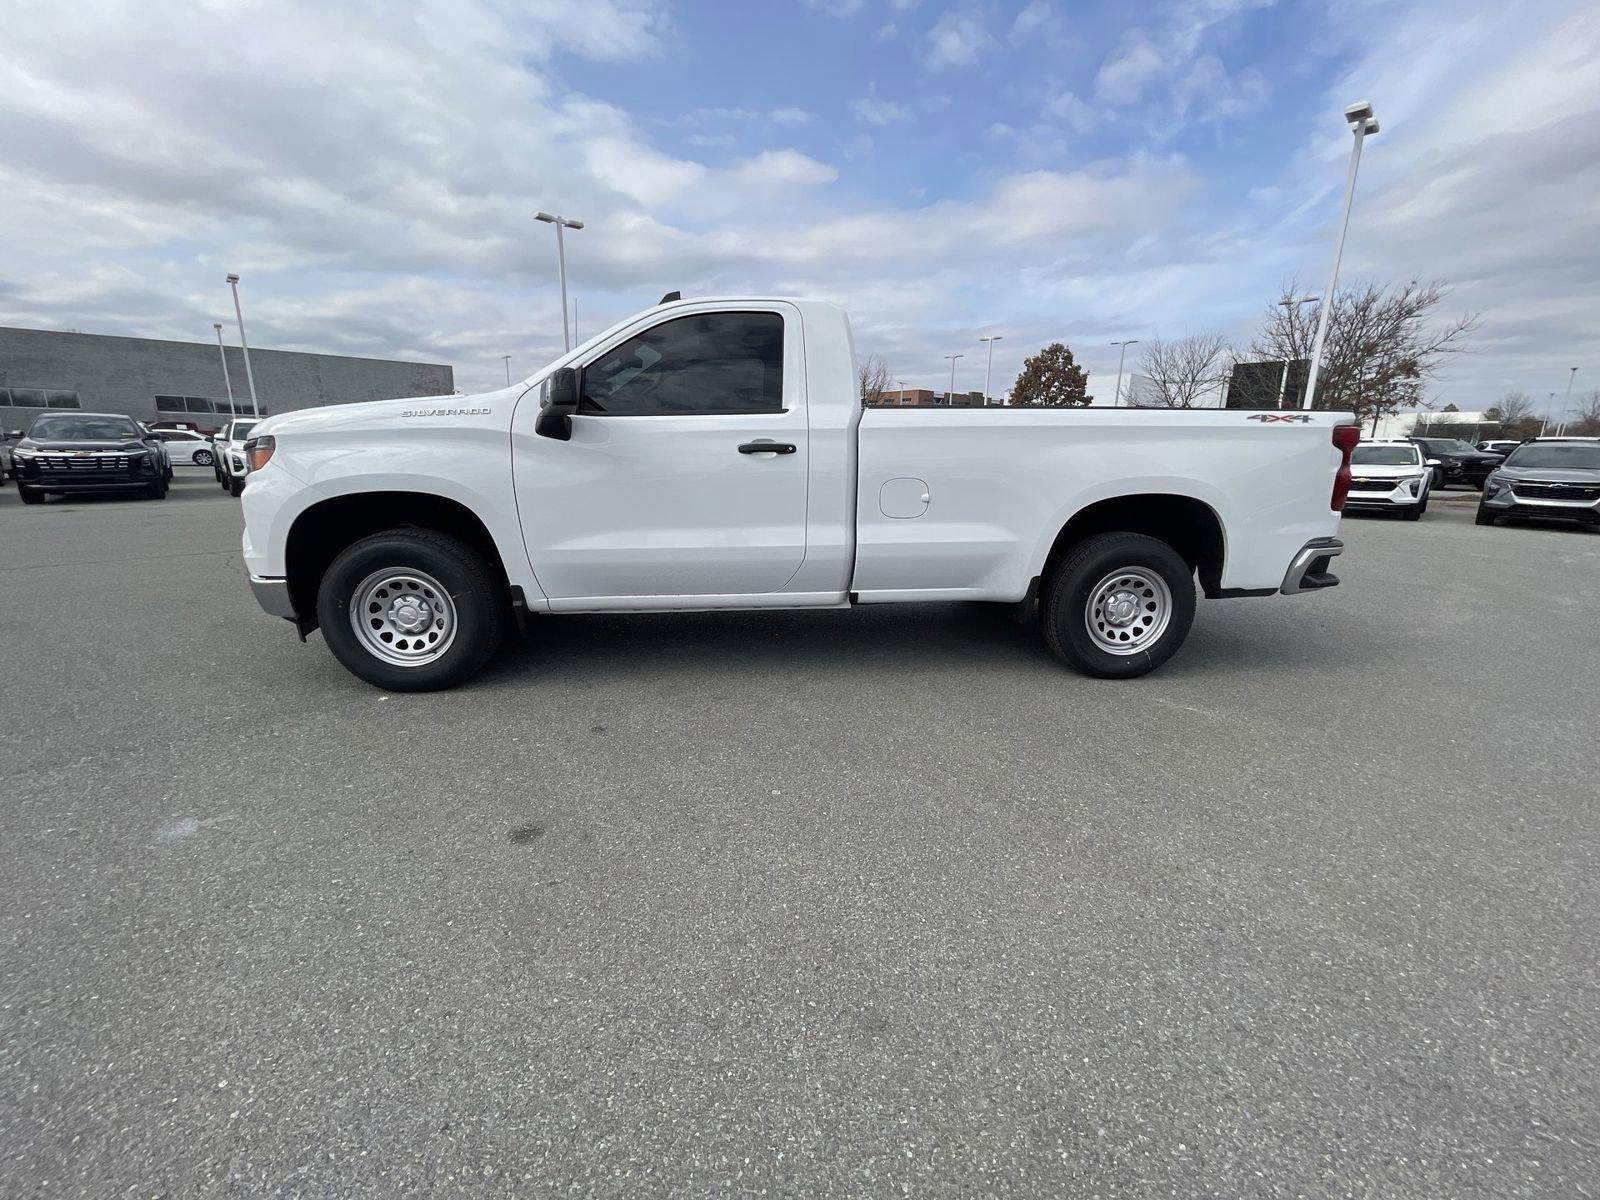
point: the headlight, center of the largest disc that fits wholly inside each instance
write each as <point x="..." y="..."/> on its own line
<point x="258" y="451"/>
<point x="25" y="452"/>
<point x="1493" y="484"/>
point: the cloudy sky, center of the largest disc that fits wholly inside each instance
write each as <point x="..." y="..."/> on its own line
<point x="1040" y="169"/>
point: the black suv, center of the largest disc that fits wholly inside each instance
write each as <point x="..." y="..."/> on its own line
<point x="1547" y="479"/>
<point x="88" y="452"/>
<point x="1457" y="461"/>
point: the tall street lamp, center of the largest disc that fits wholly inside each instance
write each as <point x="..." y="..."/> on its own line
<point x="222" y="350"/>
<point x="950" y="396"/>
<point x="1116" y="399"/>
<point x="988" y="371"/>
<point x="506" y="358"/>
<point x="255" y="408"/>
<point x="562" y="223"/>
<point x="1362" y="123"/>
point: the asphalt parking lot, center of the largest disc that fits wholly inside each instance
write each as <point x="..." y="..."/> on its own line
<point x="874" y="903"/>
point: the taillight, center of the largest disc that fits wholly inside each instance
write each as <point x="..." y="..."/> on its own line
<point x="258" y="451"/>
<point x="1345" y="438"/>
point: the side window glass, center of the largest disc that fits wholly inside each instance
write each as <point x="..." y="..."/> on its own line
<point x="702" y="364"/>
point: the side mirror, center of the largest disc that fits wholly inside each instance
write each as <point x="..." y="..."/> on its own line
<point x="1433" y="462"/>
<point x="560" y="402"/>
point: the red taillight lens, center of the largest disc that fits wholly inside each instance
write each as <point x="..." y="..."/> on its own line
<point x="1345" y="438"/>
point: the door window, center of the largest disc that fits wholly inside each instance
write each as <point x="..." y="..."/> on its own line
<point x="698" y="365"/>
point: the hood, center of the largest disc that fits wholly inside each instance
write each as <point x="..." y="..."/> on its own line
<point x="411" y="413"/>
<point x="88" y="446"/>
<point x="1553" y="474"/>
<point x="1386" y="470"/>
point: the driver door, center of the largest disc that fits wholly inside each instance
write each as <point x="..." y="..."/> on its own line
<point x="665" y="491"/>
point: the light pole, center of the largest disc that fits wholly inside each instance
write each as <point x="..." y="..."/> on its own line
<point x="1362" y="123"/>
<point x="1292" y="303"/>
<point x="222" y="350"/>
<point x="988" y="371"/>
<point x="950" y="396"/>
<point x="506" y="358"/>
<point x="562" y="223"/>
<point x="1116" y="398"/>
<point x="255" y="408"/>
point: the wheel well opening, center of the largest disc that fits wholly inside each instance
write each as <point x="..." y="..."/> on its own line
<point x="319" y="534"/>
<point x="1188" y="525"/>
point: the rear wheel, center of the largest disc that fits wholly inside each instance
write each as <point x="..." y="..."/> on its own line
<point x="411" y="610"/>
<point x="203" y="458"/>
<point x="1118" y="605"/>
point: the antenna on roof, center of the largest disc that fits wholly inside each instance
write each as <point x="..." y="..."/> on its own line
<point x="671" y="296"/>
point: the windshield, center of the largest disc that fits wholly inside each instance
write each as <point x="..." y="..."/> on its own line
<point x="83" y="429"/>
<point x="1572" y="456"/>
<point x="1448" y="446"/>
<point x="241" y="429"/>
<point x="1385" y="456"/>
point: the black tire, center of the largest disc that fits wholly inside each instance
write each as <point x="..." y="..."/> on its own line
<point x="216" y="469"/>
<point x="1484" y="517"/>
<point x="1414" y="513"/>
<point x="204" y="458"/>
<point x="235" y="486"/>
<point x="157" y="490"/>
<point x="480" y="607"/>
<point x="29" y="496"/>
<point x="1066" y="614"/>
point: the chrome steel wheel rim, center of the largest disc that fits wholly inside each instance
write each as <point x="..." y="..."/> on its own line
<point x="1128" y="610"/>
<point x="403" y="617"/>
<point x="202" y="458"/>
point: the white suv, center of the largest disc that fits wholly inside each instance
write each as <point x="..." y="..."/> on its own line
<point x="1390" y="474"/>
<point x="230" y="462"/>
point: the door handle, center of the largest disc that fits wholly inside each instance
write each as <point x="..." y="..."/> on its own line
<point x="767" y="448"/>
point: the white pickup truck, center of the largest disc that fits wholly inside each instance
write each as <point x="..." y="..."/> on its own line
<point x="715" y="454"/>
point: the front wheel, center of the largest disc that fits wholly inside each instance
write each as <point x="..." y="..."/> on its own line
<point x="411" y="610"/>
<point x="1484" y="517"/>
<point x="29" y="496"/>
<point x="235" y="486"/>
<point x="202" y="458"/>
<point x="1118" y="605"/>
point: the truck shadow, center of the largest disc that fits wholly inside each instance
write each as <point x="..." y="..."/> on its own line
<point x="886" y="638"/>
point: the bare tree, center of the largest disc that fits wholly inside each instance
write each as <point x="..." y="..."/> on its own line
<point x="1183" y="372"/>
<point x="1382" y="345"/>
<point x="1513" y="412"/>
<point x="872" y="379"/>
<point x="1585" y="417"/>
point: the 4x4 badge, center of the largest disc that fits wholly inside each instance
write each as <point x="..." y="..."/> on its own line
<point x="1265" y="417"/>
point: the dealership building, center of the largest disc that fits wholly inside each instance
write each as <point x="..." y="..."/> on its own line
<point x="150" y="380"/>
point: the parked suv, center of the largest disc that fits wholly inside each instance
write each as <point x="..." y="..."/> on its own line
<point x="230" y="465"/>
<point x="82" y="452"/>
<point x="1390" y="475"/>
<point x="1454" y="461"/>
<point x="1547" y="479"/>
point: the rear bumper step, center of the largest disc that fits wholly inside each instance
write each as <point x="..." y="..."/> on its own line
<point x="1308" y="570"/>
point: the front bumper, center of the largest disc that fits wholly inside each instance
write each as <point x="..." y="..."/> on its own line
<point x="1308" y="570"/>
<point x="1506" y="503"/>
<point x="273" y="596"/>
<point x="1396" y="497"/>
<point x="81" y="475"/>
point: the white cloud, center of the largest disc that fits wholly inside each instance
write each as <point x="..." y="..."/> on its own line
<point x="875" y="110"/>
<point x="957" y="39"/>
<point x="1039" y="19"/>
<point x="790" y="116"/>
<point x="1123" y="76"/>
<point x="1076" y="113"/>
